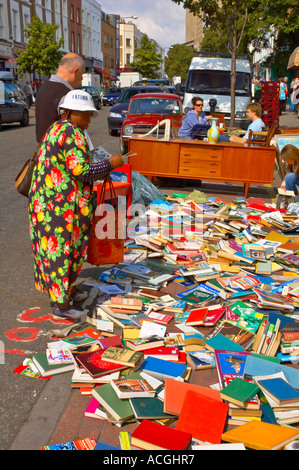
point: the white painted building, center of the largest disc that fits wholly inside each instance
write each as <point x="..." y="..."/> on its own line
<point x="91" y="14"/>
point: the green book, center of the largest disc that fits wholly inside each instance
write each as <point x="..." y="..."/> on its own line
<point x="41" y="362"/>
<point x="120" y="409"/>
<point x="239" y="391"/>
<point x="148" y="408"/>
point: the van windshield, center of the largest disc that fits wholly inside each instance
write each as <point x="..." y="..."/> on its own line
<point x="216" y="82"/>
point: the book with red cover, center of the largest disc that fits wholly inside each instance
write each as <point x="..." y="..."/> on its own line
<point x="197" y="316"/>
<point x="214" y="315"/>
<point x="92" y="362"/>
<point x="169" y="353"/>
<point x="175" y="392"/>
<point x="154" y="436"/>
<point x="203" y="417"/>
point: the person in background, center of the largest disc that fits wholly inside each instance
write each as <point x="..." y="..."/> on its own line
<point x="60" y="203"/>
<point x="68" y="77"/>
<point x="193" y="117"/>
<point x="290" y="155"/>
<point x="29" y="93"/>
<point x="254" y="114"/>
<point x="282" y="95"/>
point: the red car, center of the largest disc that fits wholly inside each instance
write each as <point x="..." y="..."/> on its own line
<point x="145" y="111"/>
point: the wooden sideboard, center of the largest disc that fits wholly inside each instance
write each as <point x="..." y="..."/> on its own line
<point x="197" y="159"/>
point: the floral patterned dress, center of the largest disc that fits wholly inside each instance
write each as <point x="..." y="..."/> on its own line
<point x="60" y="209"/>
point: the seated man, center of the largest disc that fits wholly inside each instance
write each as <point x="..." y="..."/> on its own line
<point x="254" y="114"/>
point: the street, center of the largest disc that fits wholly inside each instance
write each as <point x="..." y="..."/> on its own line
<point x="21" y="333"/>
<point x="26" y="322"/>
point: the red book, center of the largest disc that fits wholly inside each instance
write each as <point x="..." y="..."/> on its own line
<point x="168" y="353"/>
<point x="197" y="316"/>
<point x="175" y="393"/>
<point x="154" y="436"/>
<point x="203" y="417"/>
<point x="213" y="316"/>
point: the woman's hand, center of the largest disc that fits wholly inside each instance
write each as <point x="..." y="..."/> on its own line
<point x="115" y="161"/>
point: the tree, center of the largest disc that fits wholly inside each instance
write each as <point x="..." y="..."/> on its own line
<point x="235" y="20"/>
<point x="146" y="60"/>
<point x="42" y="54"/>
<point x="177" y="61"/>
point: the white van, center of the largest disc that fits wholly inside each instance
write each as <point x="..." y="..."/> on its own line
<point x="209" y="77"/>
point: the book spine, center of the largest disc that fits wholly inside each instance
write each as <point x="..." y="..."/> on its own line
<point x="124" y="440"/>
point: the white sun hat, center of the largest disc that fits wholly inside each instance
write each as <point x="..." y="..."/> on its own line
<point x="77" y="100"/>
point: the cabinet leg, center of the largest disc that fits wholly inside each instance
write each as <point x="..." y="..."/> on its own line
<point x="246" y="187"/>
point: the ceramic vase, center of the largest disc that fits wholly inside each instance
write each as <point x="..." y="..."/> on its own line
<point x="213" y="132"/>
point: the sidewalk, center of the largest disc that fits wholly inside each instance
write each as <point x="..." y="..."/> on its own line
<point x="58" y="414"/>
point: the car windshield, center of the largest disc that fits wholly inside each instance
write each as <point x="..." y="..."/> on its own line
<point x="113" y="90"/>
<point x="216" y="82"/>
<point x="127" y="94"/>
<point x="154" y="106"/>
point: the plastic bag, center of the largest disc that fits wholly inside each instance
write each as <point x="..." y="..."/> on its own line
<point x="197" y="196"/>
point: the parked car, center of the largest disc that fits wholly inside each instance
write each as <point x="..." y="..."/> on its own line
<point x="145" y="111"/>
<point x="13" y="102"/>
<point x="111" y="96"/>
<point x="94" y="93"/>
<point x="119" y="110"/>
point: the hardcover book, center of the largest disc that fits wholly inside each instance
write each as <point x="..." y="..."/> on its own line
<point x="203" y="417"/>
<point x="154" y="436"/>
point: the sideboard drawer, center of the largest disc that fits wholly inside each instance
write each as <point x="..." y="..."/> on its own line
<point x="201" y="172"/>
<point x="187" y="162"/>
<point x="211" y="153"/>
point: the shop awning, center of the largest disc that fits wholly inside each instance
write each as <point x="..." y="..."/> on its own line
<point x="107" y="75"/>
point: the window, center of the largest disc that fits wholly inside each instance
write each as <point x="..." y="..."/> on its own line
<point x="128" y="58"/>
<point x="78" y="15"/>
<point x="128" y="41"/>
<point x="72" y="12"/>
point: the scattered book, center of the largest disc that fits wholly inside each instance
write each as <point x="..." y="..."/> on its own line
<point x="239" y="391"/>
<point x="203" y="417"/>
<point x="154" y="436"/>
<point x="133" y="388"/>
<point x="88" y="443"/>
<point x="121" y="356"/>
<point x="260" y="435"/>
<point x="280" y="390"/>
<point x="120" y="409"/>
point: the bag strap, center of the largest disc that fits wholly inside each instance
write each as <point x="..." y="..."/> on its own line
<point x="101" y="195"/>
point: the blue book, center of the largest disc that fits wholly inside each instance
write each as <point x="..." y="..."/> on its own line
<point x="256" y="366"/>
<point x="103" y="446"/>
<point x="223" y="343"/>
<point x="162" y="369"/>
<point x="280" y="390"/>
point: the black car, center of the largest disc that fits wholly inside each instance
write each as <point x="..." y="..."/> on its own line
<point x="13" y="103"/>
<point x="94" y="93"/>
<point x="119" y="111"/>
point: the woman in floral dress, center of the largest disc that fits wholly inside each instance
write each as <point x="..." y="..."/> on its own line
<point x="60" y="202"/>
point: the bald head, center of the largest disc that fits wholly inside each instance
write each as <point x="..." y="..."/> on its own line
<point x="71" y="68"/>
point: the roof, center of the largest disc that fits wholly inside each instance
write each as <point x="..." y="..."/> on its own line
<point x="218" y="63"/>
<point x="156" y="95"/>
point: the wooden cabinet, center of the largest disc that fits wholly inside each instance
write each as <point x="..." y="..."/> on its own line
<point x="196" y="159"/>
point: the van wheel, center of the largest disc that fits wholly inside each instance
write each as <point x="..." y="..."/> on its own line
<point x="25" y="118"/>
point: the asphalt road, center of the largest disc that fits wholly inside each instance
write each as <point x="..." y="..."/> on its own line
<point x="24" y="331"/>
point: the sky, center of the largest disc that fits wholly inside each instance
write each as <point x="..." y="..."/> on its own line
<point x="161" y="20"/>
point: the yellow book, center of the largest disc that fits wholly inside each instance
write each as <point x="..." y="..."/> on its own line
<point x="131" y="333"/>
<point x="261" y="436"/>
